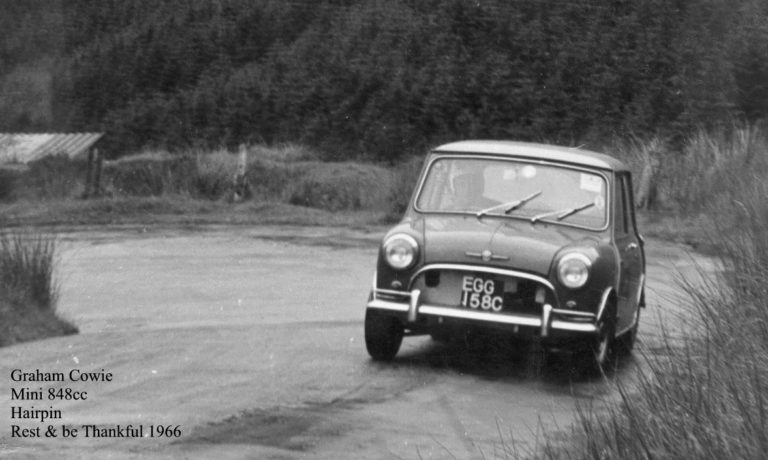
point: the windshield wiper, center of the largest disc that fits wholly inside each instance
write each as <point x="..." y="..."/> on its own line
<point x="562" y="213"/>
<point x="509" y="207"/>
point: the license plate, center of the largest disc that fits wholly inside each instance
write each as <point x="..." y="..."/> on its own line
<point x="479" y="293"/>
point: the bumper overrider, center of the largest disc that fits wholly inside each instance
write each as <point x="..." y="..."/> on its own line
<point x="413" y="306"/>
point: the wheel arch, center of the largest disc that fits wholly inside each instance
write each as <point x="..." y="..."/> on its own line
<point x="608" y="303"/>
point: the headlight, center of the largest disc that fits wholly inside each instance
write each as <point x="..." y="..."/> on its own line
<point x="400" y="251"/>
<point x="573" y="270"/>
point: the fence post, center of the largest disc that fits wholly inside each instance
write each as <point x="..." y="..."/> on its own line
<point x="242" y="188"/>
<point x="88" y="175"/>
<point x="97" y="175"/>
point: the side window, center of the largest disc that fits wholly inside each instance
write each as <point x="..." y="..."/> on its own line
<point x="628" y="205"/>
<point x="620" y="206"/>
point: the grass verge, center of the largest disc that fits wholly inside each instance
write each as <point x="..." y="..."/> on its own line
<point x="706" y="397"/>
<point x="175" y="210"/>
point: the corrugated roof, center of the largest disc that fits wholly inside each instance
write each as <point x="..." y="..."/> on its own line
<point x="23" y="148"/>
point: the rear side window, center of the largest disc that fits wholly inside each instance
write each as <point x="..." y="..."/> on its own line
<point x="626" y="188"/>
<point x="620" y="206"/>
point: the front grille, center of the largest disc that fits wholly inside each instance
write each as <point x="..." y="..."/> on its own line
<point x="432" y="278"/>
<point x="444" y="287"/>
<point x="524" y="299"/>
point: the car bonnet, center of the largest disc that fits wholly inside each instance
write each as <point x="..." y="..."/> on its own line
<point x="514" y="244"/>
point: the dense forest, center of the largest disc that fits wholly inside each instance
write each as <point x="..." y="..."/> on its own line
<point x="375" y="78"/>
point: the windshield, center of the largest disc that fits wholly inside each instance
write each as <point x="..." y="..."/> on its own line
<point x="489" y="187"/>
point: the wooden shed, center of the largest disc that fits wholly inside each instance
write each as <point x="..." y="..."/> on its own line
<point x="23" y="148"/>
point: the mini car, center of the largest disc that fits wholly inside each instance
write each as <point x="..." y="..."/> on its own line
<point x="535" y="241"/>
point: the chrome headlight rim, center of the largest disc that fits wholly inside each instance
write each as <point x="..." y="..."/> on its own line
<point x="570" y="261"/>
<point x="402" y="242"/>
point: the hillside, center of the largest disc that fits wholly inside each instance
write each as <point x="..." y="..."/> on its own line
<point x="379" y="79"/>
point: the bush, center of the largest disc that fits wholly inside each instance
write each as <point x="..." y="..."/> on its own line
<point x="274" y="181"/>
<point x="214" y="173"/>
<point x="292" y="173"/>
<point x="404" y="179"/>
<point x="207" y="175"/>
<point x="146" y="175"/>
<point x="341" y="186"/>
<point x="284" y="153"/>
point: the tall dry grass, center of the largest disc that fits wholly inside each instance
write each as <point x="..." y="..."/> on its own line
<point x="703" y="171"/>
<point x="708" y="397"/>
<point x="26" y="269"/>
<point x="28" y="292"/>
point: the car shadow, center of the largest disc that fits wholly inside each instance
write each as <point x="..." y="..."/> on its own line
<point x="497" y="358"/>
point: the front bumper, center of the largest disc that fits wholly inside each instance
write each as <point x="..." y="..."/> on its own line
<point x="413" y="311"/>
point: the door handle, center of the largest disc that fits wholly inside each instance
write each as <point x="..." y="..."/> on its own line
<point x="632" y="247"/>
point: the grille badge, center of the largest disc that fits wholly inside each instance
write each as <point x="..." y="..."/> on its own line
<point x="486" y="255"/>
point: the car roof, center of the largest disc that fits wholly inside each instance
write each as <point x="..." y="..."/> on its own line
<point x="554" y="153"/>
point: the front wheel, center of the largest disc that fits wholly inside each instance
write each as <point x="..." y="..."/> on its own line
<point x="383" y="335"/>
<point x="599" y="350"/>
<point x="628" y="340"/>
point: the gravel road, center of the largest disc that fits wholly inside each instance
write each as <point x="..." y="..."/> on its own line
<point x="249" y="340"/>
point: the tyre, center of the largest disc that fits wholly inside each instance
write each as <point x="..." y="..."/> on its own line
<point x="599" y="350"/>
<point x="383" y="335"/>
<point x="628" y="340"/>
